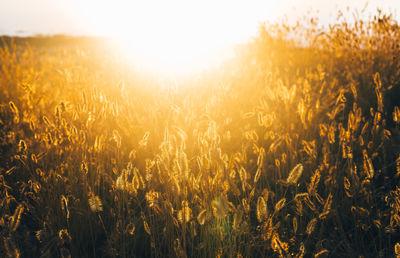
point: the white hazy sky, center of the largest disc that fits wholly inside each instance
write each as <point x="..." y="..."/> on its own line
<point x="92" y="16"/>
<point x="169" y="35"/>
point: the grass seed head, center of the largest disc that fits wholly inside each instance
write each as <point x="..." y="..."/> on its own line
<point x="295" y="174"/>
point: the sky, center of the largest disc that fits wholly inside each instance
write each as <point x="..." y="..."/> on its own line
<point x="89" y="17"/>
<point x="170" y="35"/>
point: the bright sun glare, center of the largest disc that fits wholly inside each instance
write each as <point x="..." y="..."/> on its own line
<point x="176" y="36"/>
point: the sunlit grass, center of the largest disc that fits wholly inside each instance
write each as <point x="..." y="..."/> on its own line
<point x="291" y="148"/>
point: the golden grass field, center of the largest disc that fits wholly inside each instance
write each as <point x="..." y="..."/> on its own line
<point x="289" y="149"/>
